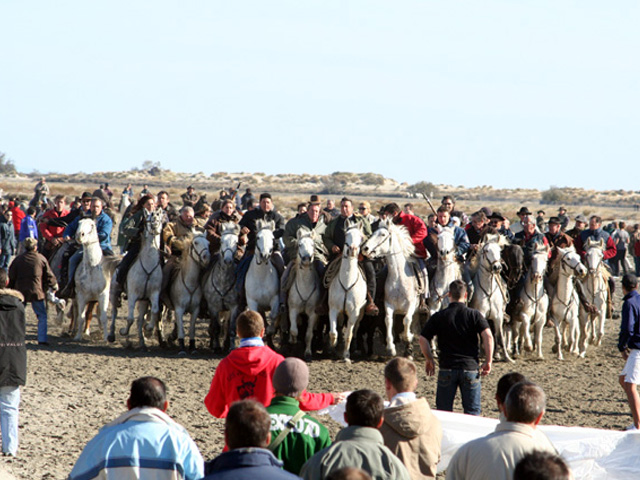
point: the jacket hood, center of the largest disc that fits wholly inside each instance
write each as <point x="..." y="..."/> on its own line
<point x="410" y="419"/>
<point x="10" y="299"/>
<point x="243" y="457"/>
<point x="253" y="360"/>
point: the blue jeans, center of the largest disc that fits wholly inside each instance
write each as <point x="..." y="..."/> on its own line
<point x="469" y="383"/>
<point x="40" y="308"/>
<point x="74" y="261"/>
<point x="5" y="260"/>
<point x="9" y="405"/>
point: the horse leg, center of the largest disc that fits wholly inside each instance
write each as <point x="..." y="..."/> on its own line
<point x="584" y="318"/>
<point x="500" y="327"/>
<point x="179" y="312"/>
<point x="311" y="327"/>
<point x="556" y="328"/>
<point x="124" y="331"/>
<point x="273" y="315"/>
<point x="333" y="328"/>
<point x="293" y="324"/>
<point x="81" y="307"/>
<point x="407" y="321"/>
<point x="161" y="340"/>
<point x="154" y="300"/>
<point x="348" y="336"/>
<point x="233" y="315"/>
<point x="88" y="318"/>
<point x="192" y="328"/>
<point x="538" y="326"/>
<point x="112" y="329"/>
<point x="388" y="322"/>
<point x="601" y="318"/>
<point x="103" y="306"/>
<point x="214" y="329"/>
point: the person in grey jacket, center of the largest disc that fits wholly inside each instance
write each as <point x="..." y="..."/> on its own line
<point x="8" y="244"/>
<point x="359" y="445"/>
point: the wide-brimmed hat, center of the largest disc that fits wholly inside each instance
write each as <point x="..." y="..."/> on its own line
<point x="562" y="208"/>
<point x="315" y="200"/>
<point x="524" y="211"/>
<point x="495" y="215"/>
<point x="581" y="218"/>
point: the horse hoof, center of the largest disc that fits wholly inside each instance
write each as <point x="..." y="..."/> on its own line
<point x="347" y="360"/>
<point x="182" y="353"/>
<point x="111" y="338"/>
<point x="308" y="357"/>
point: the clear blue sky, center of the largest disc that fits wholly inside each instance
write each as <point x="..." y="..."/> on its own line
<point x="509" y="93"/>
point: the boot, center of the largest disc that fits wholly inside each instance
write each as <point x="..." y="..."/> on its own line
<point x="423" y="307"/>
<point x="69" y="290"/>
<point x="371" y="309"/>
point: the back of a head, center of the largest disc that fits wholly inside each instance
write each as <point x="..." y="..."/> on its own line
<point x="630" y="281"/>
<point x="348" y="473"/>
<point x="542" y="466"/>
<point x="247" y="425"/>
<point x="402" y="374"/>
<point x="364" y="409"/>
<point x="291" y="377"/>
<point x="148" y="392"/>
<point x="457" y="289"/>
<point x="392" y="208"/>
<point x="4" y="278"/>
<point x="524" y="403"/>
<point x="249" y="324"/>
<point x="505" y="383"/>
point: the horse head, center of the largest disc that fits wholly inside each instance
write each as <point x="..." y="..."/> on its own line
<point x="490" y="253"/>
<point x="539" y="261"/>
<point x="264" y="240"/>
<point x="199" y="250"/>
<point x="153" y="222"/>
<point x="594" y="255"/>
<point x="306" y="246"/>
<point x="446" y="242"/>
<point x="352" y="239"/>
<point x="570" y="261"/>
<point x="379" y="243"/>
<point x="87" y="232"/>
<point x="229" y="241"/>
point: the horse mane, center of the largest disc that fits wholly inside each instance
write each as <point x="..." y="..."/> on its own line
<point x="401" y="233"/>
<point x="229" y="227"/>
<point x="184" y="255"/>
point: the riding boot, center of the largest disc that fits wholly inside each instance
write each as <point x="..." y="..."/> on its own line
<point x="423" y="307"/>
<point x="371" y="309"/>
<point x="69" y="290"/>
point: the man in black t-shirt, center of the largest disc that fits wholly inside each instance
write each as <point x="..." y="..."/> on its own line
<point x="457" y="328"/>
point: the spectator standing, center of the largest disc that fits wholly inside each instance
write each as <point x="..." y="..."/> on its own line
<point x="295" y="436"/>
<point x="410" y="430"/>
<point x="457" y="328"/>
<point x="247" y="434"/>
<point x="13" y="363"/>
<point x="634" y="246"/>
<point x="142" y="443"/>
<point x="28" y="228"/>
<point x="629" y="345"/>
<point x="31" y="275"/>
<point x="8" y="244"/>
<point x="359" y="445"/>
<point x="495" y="456"/>
<point x="564" y="219"/>
<point x="248" y="370"/>
<point x="621" y="239"/>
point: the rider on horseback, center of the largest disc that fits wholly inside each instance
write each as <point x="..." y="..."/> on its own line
<point x="52" y="234"/>
<point x="333" y="239"/>
<point x="267" y="213"/>
<point x="418" y="231"/>
<point x="213" y="227"/>
<point x="315" y="219"/>
<point x="104" y="224"/>
<point x="132" y="231"/>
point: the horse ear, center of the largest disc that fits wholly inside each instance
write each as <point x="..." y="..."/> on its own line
<point x="601" y="243"/>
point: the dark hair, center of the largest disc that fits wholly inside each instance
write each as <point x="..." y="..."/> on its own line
<point x="630" y="281"/>
<point x="391" y="208"/>
<point x="348" y="473"/>
<point x="401" y="373"/>
<point x="410" y="205"/>
<point x="525" y="402"/>
<point x="364" y="409"/>
<point x="480" y="215"/>
<point x="505" y="383"/>
<point x="148" y="392"/>
<point x="59" y="197"/>
<point x="448" y="197"/>
<point x="3" y="278"/>
<point x="442" y="208"/>
<point x="247" y="425"/>
<point x="622" y="225"/>
<point x="140" y="203"/>
<point x="457" y="289"/>
<point x="345" y="199"/>
<point x="31" y="211"/>
<point x="265" y="195"/>
<point x="597" y="219"/>
<point x="539" y="465"/>
<point x="249" y="324"/>
<point x="163" y="192"/>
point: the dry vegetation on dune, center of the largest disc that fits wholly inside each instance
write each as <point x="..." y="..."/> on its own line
<point x="290" y="189"/>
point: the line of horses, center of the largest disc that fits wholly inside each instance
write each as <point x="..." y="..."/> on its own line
<point x="197" y="283"/>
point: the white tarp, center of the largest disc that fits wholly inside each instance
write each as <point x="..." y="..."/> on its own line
<point x="593" y="454"/>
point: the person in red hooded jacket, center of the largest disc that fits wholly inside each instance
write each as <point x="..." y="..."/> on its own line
<point x="248" y="370"/>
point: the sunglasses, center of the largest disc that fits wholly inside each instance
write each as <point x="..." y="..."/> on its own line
<point x="362" y="208"/>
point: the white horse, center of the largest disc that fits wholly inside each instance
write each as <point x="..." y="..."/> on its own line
<point x="565" y="302"/>
<point x="401" y="287"/>
<point x="144" y="281"/>
<point x="490" y="292"/>
<point x="347" y="291"/>
<point x="262" y="284"/>
<point x="596" y="291"/>
<point x="125" y="201"/>
<point x="535" y="303"/>
<point x="304" y="294"/>
<point x="447" y="270"/>
<point x="185" y="291"/>
<point x="218" y="287"/>
<point x="92" y="277"/>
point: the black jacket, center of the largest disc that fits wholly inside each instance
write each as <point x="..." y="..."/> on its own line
<point x="13" y="352"/>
